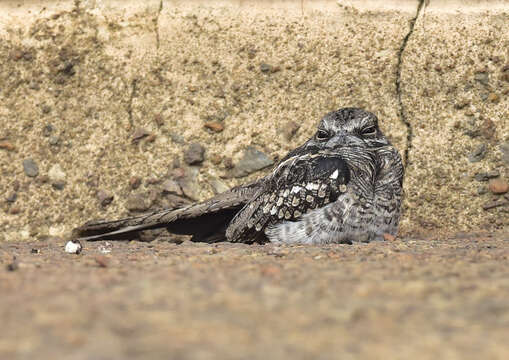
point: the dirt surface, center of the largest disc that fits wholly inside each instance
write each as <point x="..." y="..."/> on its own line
<point x="422" y="298"/>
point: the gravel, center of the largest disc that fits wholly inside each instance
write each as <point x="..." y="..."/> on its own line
<point x="171" y="187"/>
<point x="138" y="203"/>
<point x="485" y="176"/>
<point x="252" y="160"/>
<point x="194" y="154"/>
<point x="498" y="186"/>
<point x="105" y="197"/>
<point x="30" y="167"/>
<point x="478" y="154"/>
<point x="504" y="149"/>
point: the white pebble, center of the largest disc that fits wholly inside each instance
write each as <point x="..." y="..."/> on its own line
<point x="73" y="247"/>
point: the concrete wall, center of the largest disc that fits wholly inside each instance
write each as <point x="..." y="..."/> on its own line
<point x="104" y="94"/>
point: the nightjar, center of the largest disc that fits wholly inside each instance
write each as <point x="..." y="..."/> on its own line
<point x="343" y="185"/>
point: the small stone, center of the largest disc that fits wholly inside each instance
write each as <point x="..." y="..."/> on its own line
<point x="73" y="247"/>
<point x="43" y="179"/>
<point x="494" y="98"/>
<point x="460" y="104"/>
<point x="494" y="204"/>
<point x="171" y="187"/>
<point x="135" y="182"/>
<point x="28" y="56"/>
<point x="17" y="55"/>
<point x="252" y="160"/>
<point x="481" y="190"/>
<point x="58" y="185"/>
<point x="389" y="237"/>
<point x="46" y="109"/>
<point x="504" y="149"/>
<point x="488" y="129"/>
<point x="34" y="85"/>
<point x="139" y="134"/>
<point x="35" y="251"/>
<point x="158" y="119"/>
<point x="485" y="176"/>
<point x="176" y="138"/>
<point x="194" y="154"/>
<point x="265" y="68"/>
<point x="478" y="154"/>
<point x="151" y="235"/>
<point x="14" y="210"/>
<point x="102" y="261"/>
<point x="54" y="140"/>
<point x="138" y="203"/>
<point x="498" y="186"/>
<point x="228" y="163"/>
<point x="56" y="174"/>
<point x="47" y="130"/>
<point x="215" y="126"/>
<point x="190" y="186"/>
<point x="12" y="197"/>
<point x="218" y="185"/>
<point x="7" y="146"/>
<point x="13" y="266"/>
<point x="105" y="197"/>
<point x="482" y="77"/>
<point x="30" y="167"/>
<point x="153" y="181"/>
<point x="216" y="159"/>
<point x="151" y="138"/>
<point x="16" y="185"/>
<point x="290" y="129"/>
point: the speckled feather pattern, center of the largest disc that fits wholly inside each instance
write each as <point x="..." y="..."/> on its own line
<point x="343" y="185"/>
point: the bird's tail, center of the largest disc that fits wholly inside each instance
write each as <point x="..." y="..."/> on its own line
<point x="205" y="221"/>
<point x="118" y="229"/>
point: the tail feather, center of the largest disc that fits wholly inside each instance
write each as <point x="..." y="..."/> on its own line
<point x="205" y="221"/>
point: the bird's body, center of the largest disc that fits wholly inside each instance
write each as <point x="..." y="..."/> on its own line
<point x="342" y="185"/>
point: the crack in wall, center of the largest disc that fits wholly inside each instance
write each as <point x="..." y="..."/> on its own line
<point x="156" y="23"/>
<point x="130" y="103"/>
<point x="402" y="112"/>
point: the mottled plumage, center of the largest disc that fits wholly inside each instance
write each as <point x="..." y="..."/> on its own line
<point x="342" y="185"/>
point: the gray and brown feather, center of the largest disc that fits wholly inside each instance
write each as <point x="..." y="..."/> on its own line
<point x="343" y="185"/>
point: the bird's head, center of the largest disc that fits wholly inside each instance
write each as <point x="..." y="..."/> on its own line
<point x="349" y="127"/>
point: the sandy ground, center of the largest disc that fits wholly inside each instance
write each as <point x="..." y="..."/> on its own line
<point x="414" y="298"/>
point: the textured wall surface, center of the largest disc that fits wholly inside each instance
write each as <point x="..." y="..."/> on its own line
<point x="99" y="101"/>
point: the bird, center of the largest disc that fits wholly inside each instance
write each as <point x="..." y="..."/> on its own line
<point x="343" y="185"/>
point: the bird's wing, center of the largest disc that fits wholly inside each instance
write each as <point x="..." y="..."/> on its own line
<point x="200" y="219"/>
<point x="333" y="223"/>
<point x="298" y="184"/>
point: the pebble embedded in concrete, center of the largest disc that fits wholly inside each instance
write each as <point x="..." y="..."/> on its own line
<point x="498" y="186"/>
<point x="194" y="154"/>
<point x="30" y="167"/>
<point x="252" y="160"/>
<point x="478" y="154"/>
<point x="105" y="197"/>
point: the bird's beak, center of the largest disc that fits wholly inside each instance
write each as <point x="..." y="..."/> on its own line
<point x="343" y="140"/>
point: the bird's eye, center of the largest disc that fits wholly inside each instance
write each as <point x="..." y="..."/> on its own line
<point x="322" y="135"/>
<point x="369" y="131"/>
